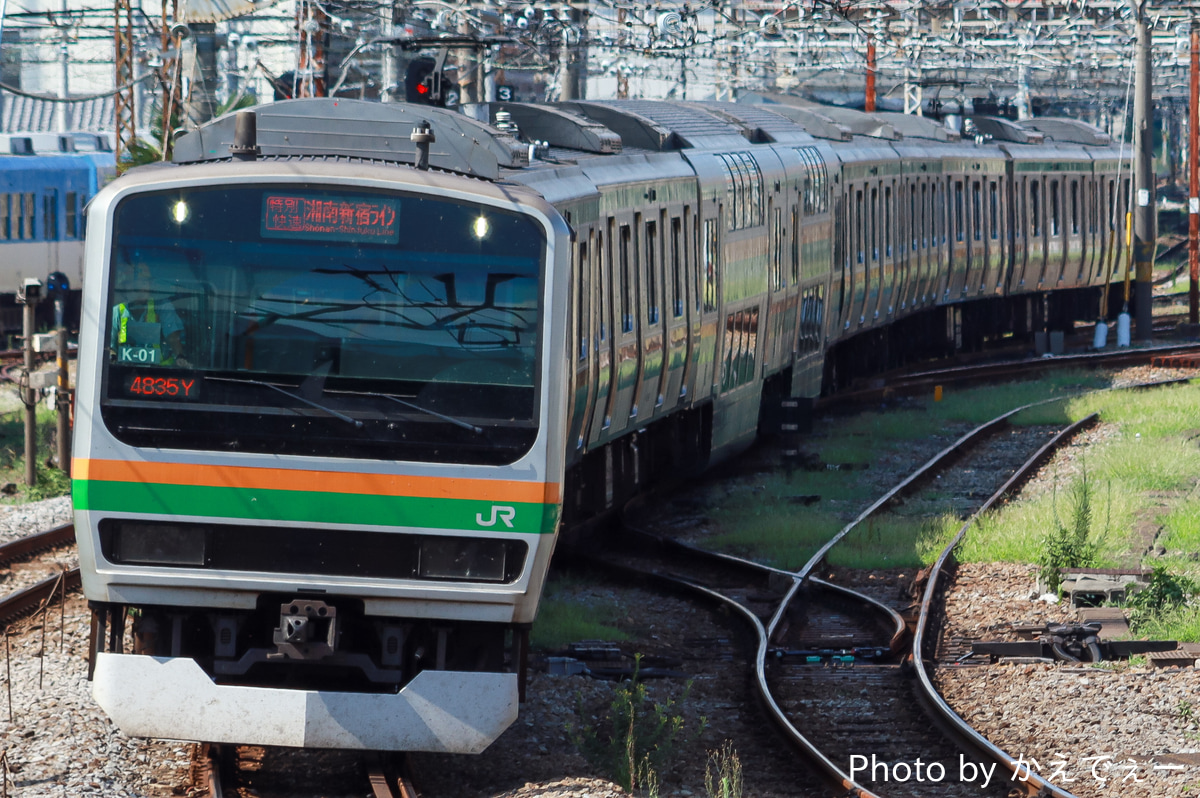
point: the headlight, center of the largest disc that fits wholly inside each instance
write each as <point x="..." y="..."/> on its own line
<point x="160" y="544"/>
<point x="462" y="558"/>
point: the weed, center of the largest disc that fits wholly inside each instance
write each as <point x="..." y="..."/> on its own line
<point x="636" y="737"/>
<point x="723" y="773"/>
<point x="1067" y="546"/>
<point x="1166" y="594"/>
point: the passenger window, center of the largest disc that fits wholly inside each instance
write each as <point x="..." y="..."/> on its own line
<point x="959" y="234"/>
<point x="582" y="284"/>
<point x="72" y="209"/>
<point x="626" y="280"/>
<point x="50" y="215"/>
<point x="994" y="204"/>
<point x="1035" y="209"/>
<point x="651" y="272"/>
<point x="676" y="267"/>
<point x="1054" y="209"/>
<point x="710" y="265"/>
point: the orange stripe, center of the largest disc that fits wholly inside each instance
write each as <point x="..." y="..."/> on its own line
<point x="315" y="481"/>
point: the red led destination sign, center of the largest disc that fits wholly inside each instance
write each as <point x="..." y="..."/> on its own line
<point x="145" y="385"/>
<point x="365" y="219"/>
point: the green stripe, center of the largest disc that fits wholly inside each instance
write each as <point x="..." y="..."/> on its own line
<point x="306" y="507"/>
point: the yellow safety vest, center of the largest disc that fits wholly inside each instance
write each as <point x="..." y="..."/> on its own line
<point x="123" y="319"/>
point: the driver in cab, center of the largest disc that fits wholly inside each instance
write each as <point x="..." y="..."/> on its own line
<point x="145" y="330"/>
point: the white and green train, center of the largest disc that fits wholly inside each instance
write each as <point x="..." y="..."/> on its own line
<point x="342" y="380"/>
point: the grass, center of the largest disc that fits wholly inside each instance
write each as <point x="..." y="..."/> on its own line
<point x="51" y="482"/>
<point x="570" y="612"/>
<point x="761" y="520"/>
<point x="1150" y="457"/>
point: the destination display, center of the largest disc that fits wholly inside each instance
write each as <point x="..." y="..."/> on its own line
<point x="147" y="385"/>
<point x="331" y="218"/>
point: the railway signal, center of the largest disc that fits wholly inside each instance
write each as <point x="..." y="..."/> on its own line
<point x="425" y="82"/>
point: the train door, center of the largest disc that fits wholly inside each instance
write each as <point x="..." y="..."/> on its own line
<point x="997" y="235"/>
<point x="1073" y="222"/>
<point x="957" y="268"/>
<point x="1056" y="233"/>
<point x="691" y="302"/>
<point x="674" y="313"/>
<point x="906" y="247"/>
<point x="626" y="317"/>
<point x="874" y="255"/>
<point x="779" y="313"/>
<point x="924" y="220"/>
<point x="889" y="293"/>
<point x="860" y="256"/>
<point x="1036" y="247"/>
<point x="648" y="395"/>
<point x="1092" y="244"/>
<point x="978" y="244"/>
<point x="582" y="358"/>
<point x="602" y="333"/>
<point x="709" y="300"/>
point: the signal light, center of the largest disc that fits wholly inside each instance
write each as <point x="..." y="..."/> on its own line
<point x="423" y="82"/>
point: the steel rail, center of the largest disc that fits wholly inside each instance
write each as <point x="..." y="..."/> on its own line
<point x="909" y="382"/>
<point x="1034" y="783"/>
<point x="34" y="597"/>
<point x="40" y="541"/>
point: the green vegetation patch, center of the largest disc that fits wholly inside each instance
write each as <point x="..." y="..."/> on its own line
<point x="1152" y="456"/>
<point x="570" y="612"/>
<point x="892" y="541"/>
<point x="51" y="482"/>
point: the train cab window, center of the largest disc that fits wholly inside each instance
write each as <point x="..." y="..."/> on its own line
<point x="409" y="346"/>
<point x="1035" y="209"/>
<point x="676" y="267"/>
<point x="994" y="209"/>
<point x="651" y="273"/>
<point x="624" y="245"/>
<point x="50" y="216"/>
<point x="710" y="254"/>
<point x="976" y="211"/>
<point x="71" y="206"/>
<point x="1054" y="208"/>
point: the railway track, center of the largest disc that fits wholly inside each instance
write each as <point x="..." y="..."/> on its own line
<point x="819" y="646"/>
<point x="916" y="381"/>
<point x="38" y="595"/>
<point x="234" y="771"/>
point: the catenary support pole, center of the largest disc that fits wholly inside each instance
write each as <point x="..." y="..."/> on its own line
<point x="1144" y="222"/>
<point x="1194" y="182"/>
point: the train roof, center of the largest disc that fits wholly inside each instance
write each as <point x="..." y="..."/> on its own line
<point x="497" y="140"/>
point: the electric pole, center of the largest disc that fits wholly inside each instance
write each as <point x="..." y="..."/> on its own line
<point x="1144" y="223"/>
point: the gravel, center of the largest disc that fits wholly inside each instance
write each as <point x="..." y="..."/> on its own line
<point x="1123" y="721"/>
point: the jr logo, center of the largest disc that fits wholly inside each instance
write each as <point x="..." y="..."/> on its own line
<point x="499" y="512"/>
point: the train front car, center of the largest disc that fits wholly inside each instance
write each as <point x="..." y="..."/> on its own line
<point x="318" y="462"/>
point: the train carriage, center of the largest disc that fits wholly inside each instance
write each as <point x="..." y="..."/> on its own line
<point x="345" y="368"/>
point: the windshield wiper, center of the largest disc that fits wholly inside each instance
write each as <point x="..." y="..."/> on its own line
<point x="340" y="416"/>
<point x="448" y="419"/>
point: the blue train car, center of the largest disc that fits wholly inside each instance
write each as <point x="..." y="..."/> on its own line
<point x="42" y="201"/>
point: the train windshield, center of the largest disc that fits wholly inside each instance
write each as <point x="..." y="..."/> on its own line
<point x="324" y="321"/>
